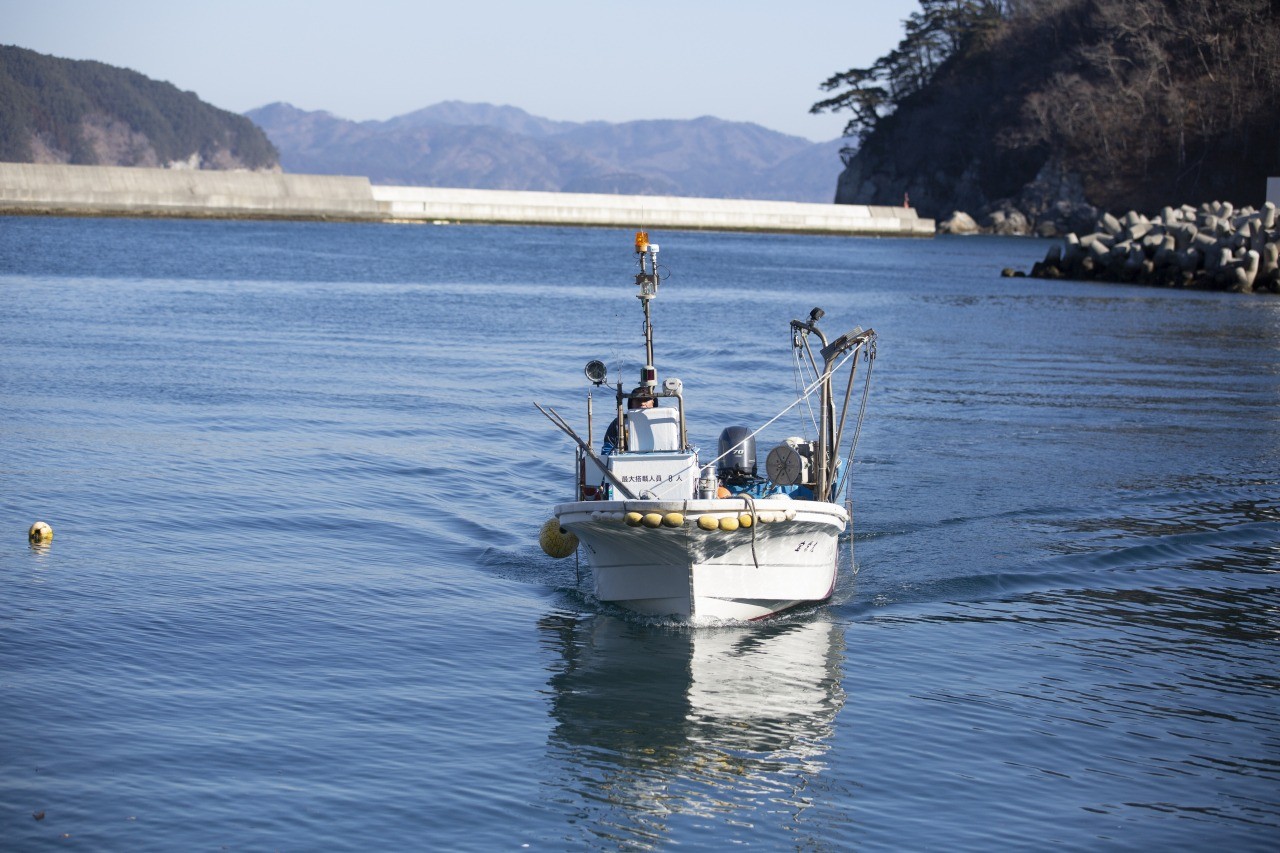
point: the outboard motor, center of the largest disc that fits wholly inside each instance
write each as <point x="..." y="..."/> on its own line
<point x="738" y="467"/>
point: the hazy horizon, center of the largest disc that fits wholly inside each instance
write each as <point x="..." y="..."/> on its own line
<point x="566" y="60"/>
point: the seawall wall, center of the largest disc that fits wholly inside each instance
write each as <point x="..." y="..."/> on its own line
<point x="117" y="190"/>
<point x="27" y="188"/>
<point x="622" y="211"/>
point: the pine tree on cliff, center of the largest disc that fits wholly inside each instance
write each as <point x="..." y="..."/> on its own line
<point x="932" y="35"/>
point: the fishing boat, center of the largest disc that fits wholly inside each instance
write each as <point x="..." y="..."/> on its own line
<point x="666" y="534"/>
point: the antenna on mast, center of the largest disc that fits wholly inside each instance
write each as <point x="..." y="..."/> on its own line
<point x="647" y="280"/>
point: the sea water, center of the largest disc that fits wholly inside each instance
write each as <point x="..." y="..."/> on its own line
<point x="294" y="599"/>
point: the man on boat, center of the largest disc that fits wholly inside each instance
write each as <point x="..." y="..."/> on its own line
<point x="640" y="398"/>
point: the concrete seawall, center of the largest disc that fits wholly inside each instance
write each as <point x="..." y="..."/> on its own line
<point x="116" y="191"/>
<point x="624" y="211"/>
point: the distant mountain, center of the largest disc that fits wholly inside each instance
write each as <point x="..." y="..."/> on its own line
<point x="455" y="144"/>
<point x="56" y="110"/>
<point x="511" y="119"/>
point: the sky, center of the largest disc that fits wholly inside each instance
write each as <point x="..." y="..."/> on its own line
<point x="570" y="60"/>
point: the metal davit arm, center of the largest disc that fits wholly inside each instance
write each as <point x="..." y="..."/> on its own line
<point x="855" y="340"/>
<point x="830" y="433"/>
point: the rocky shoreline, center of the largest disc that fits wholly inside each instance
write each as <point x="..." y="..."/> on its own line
<point x="1212" y="247"/>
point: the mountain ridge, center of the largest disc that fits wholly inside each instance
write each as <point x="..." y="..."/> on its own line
<point x="486" y="146"/>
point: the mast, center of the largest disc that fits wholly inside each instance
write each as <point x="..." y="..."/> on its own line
<point x="826" y="408"/>
<point x="647" y="280"/>
<point x="826" y="430"/>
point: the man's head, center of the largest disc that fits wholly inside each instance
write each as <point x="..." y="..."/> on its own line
<point x="641" y="398"/>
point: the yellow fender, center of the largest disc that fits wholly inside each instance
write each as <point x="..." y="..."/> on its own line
<point x="556" y="541"/>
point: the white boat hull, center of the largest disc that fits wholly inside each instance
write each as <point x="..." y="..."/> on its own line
<point x="788" y="557"/>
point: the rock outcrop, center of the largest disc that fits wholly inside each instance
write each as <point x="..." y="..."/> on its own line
<point x="958" y="222"/>
<point x="1057" y="109"/>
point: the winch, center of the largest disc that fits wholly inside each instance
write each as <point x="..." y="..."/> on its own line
<point x="791" y="463"/>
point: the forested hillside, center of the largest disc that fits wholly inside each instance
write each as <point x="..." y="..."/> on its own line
<point x="70" y="111"/>
<point x="1057" y="109"/>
